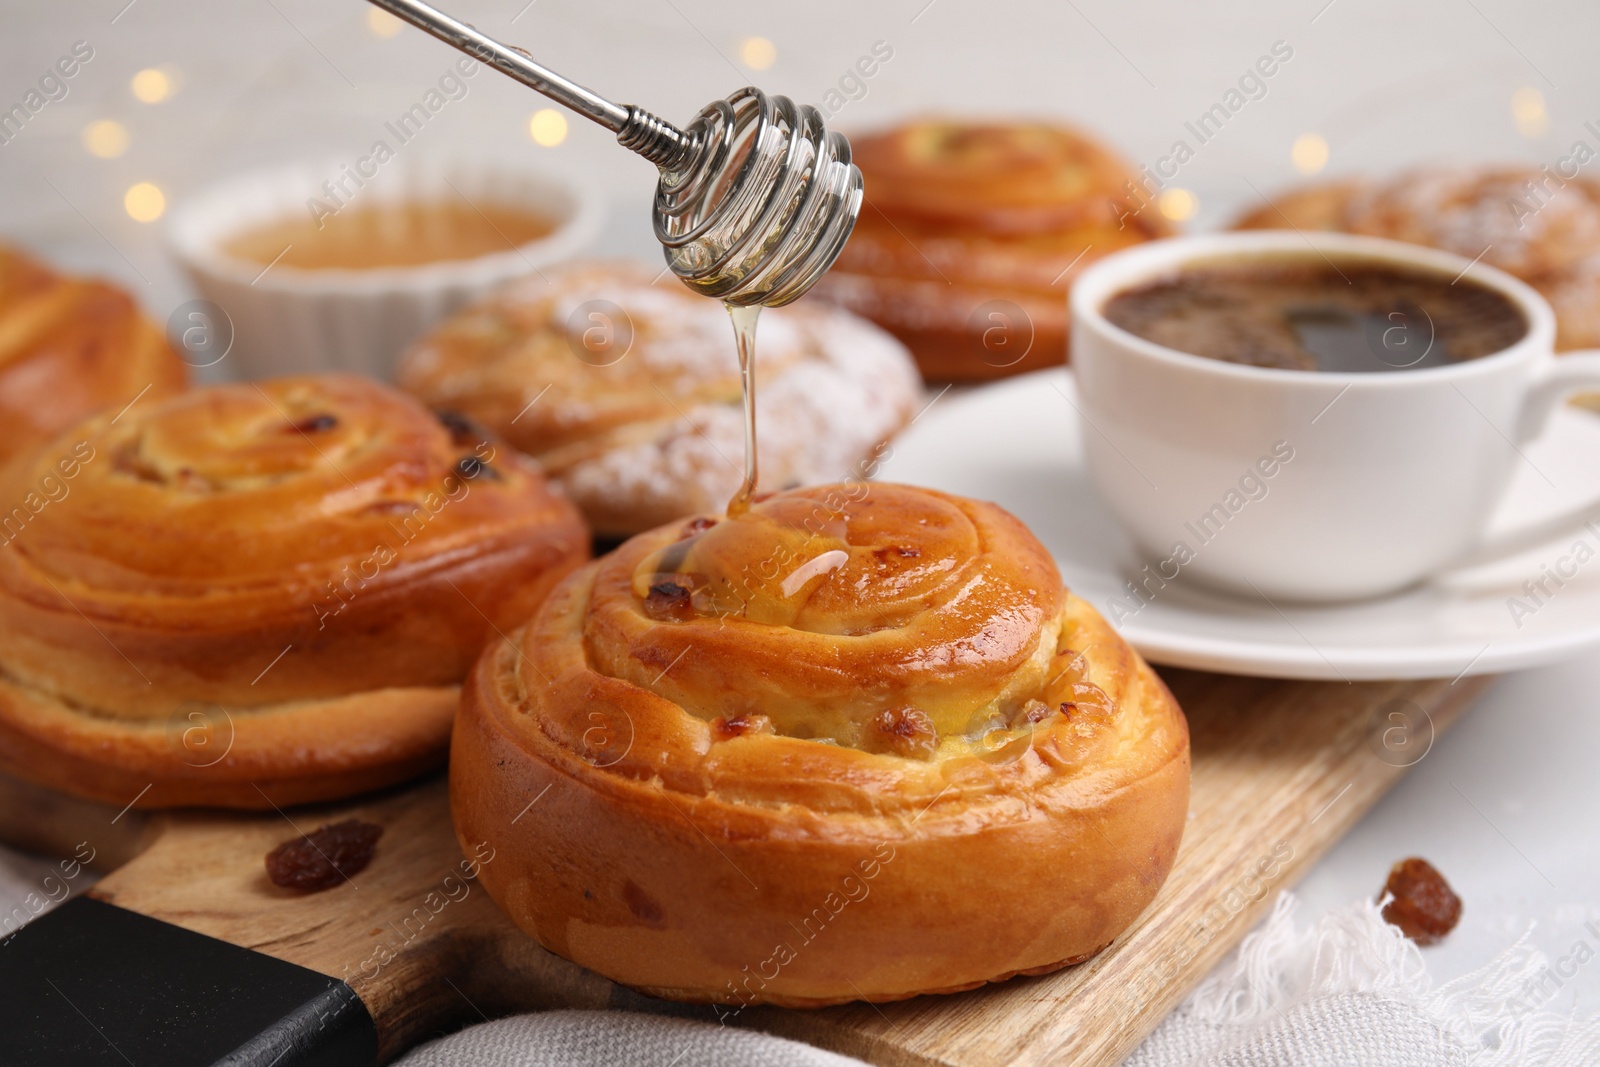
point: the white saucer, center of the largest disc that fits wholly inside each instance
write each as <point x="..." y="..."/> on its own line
<point x="1017" y="443"/>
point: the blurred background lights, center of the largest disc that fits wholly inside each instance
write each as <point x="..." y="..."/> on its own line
<point x="382" y="24"/>
<point x="758" y="53"/>
<point x="1527" y="107"/>
<point x="105" y="139"/>
<point x="548" y="127"/>
<point x="1310" y="153"/>
<point x="1177" y="204"/>
<point x="152" y="85"/>
<point x="144" y="202"/>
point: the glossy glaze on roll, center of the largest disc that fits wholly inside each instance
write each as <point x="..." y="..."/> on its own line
<point x="70" y="347"/>
<point x="260" y="594"/>
<point x="859" y="743"/>
<point x="972" y="233"/>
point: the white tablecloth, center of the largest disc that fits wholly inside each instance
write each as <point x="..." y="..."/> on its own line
<point x="1387" y="84"/>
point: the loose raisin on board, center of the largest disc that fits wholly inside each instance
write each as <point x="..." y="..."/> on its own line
<point x="1424" y="907"/>
<point x="325" y="857"/>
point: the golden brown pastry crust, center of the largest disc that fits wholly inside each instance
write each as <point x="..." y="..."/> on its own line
<point x="70" y="347"/>
<point x="1575" y="296"/>
<point x="1313" y="207"/>
<point x="924" y="768"/>
<point x="1521" y="219"/>
<point x="1487" y="212"/>
<point x="961" y="214"/>
<point x="645" y="425"/>
<point x="274" y="585"/>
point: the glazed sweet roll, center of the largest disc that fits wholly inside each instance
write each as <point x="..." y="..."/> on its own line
<point x="856" y="743"/>
<point x="260" y="594"/>
<point x="972" y="233"/>
<point x="70" y="347"/>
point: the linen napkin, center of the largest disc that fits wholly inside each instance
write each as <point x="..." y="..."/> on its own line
<point x="1348" y="990"/>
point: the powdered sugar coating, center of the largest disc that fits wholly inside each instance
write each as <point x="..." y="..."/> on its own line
<point x="658" y="433"/>
<point x="1519" y="219"/>
<point x="1574" y="294"/>
<point x="816" y="421"/>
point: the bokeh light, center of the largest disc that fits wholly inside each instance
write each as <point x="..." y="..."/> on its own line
<point x="151" y="85"/>
<point x="144" y="202"/>
<point x="105" y="139"/>
<point x="548" y="127"/>
<point x="758" y="53"/>
<point x="382" y="24"/>
<point x="1177" y="204"/>
<point x="1310" y="153"/>
<point x="1527" y="107"/>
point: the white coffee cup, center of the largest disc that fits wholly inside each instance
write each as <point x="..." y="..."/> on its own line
<point x="1303" y="484"/>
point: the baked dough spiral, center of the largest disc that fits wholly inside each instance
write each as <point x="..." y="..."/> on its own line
<point x="628" y="392"/>
<point x="858" y="743"/>
<point x="259" y="594"/>
<point x="70" y="347"/>
<point x="963" y="215"/>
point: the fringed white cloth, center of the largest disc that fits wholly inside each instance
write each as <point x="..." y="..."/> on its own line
<point x="614" y="1039"/>
<point x="1346" y="991"/>
<point x="1349" y="989"/>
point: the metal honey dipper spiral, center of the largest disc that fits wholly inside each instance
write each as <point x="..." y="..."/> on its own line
<point x="755" y="198"/>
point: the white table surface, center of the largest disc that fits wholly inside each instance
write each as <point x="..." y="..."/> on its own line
<point x="1505" y="805"/>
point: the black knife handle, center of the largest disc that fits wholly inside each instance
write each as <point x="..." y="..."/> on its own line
<point x="91" y="983"/>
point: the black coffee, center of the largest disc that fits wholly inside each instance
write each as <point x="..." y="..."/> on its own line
<point x="1306" y="313"/>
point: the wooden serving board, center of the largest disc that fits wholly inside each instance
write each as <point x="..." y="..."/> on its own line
<point x="1281" y="770"/>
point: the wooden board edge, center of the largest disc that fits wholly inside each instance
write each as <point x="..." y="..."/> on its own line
<point x="1444" y="702"/>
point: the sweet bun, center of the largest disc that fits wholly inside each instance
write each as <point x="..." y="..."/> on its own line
<point x="858" y="743"/>
<point x="1575" y="296"/>
<point x="628" y="393"/>
<point x="1313" y="207"/>
<point x="971" y="226"/>
<point x="70" y="347"/>
<point x="1524" y="220"/>
<point x="1475" y="212"/>
<point x="259" y="594"/>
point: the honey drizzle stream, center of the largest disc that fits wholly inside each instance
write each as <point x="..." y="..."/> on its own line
<point x="744" y="332"/>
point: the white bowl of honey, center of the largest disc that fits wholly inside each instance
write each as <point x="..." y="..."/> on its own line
<point x="322" y="268"/>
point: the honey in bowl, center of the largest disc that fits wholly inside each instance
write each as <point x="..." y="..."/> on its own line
<point x="372" y="236"/>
